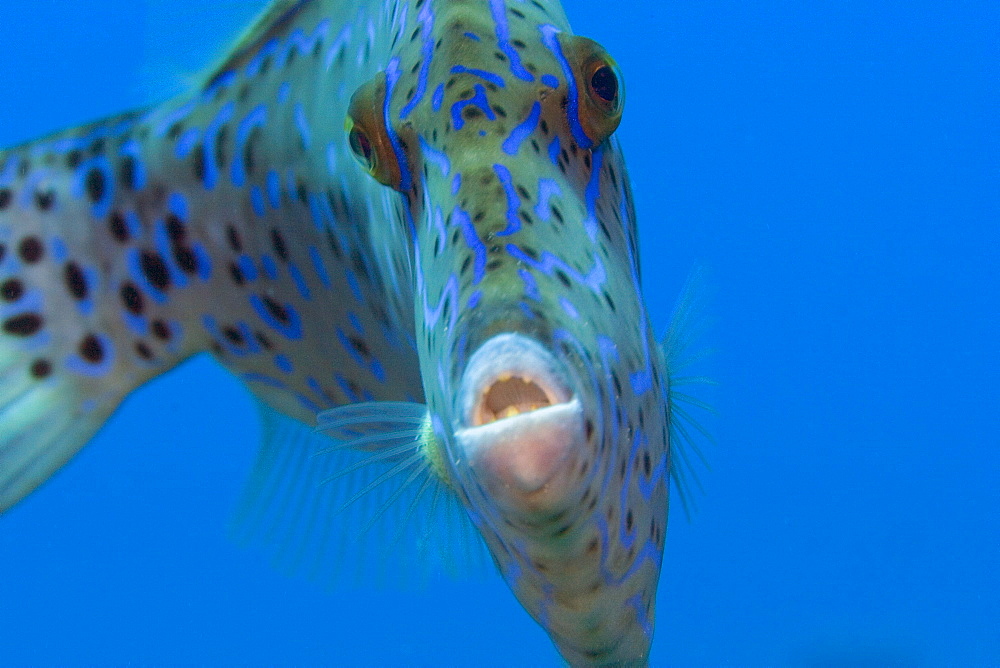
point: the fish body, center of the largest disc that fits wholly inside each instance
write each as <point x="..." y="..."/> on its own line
<point x="465" y="247"/>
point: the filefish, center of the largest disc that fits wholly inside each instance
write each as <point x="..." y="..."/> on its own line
<point x="408" y="223"/>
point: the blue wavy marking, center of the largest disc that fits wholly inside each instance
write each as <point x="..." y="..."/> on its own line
<point x="482" y="74"/>
<point x="554" y="150"/>
<point x="479" y="99"/>
<point x="186" y="143"/>
<point x="247" y="267"/>
<point x="177" y="204"/>
<point x="592" y="193"/>
<point x="136" y="324"/>
<point x="426" y="18"/>
<point x="530" y="284"/>
<point x="270" y="266"/>
<point x="499" y="11"/>
<point x="456" y="183"/>
<point x="512" y="144"/>
<point x="547" y="189"/>
<point x="551" y="42"/>
<point x="438" y="98"/>
<point x="392" y="75"/>
<point x="274" y="189"/>
<point x="513" y="201"/>
<point x="257" y="200"/>
<point x="253" y="67"/>
<point x="550" y="80"/>
<point x="256" y="117"/>
<point x="319" y="267"/>
<point x="548" y="263"/>
<point x="203" y="261"/>
<point x="435" y="157"/>
<point x="302" y="123"/>
<point x="134" y="225"/>
<point x="211" y="136"/>
<point x="283" y="363"/>
<point x="474" y="243"/>
<point x="300" y="282"/>
<point x="292" y="330"/>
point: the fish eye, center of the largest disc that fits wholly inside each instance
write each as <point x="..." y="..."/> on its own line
<point x="361" y="146"/>
<point x="604" y="84"/>
<point x="602" y="94"/>
<point x="367" y="134"/>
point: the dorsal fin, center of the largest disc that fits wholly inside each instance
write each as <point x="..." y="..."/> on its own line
<point x="274" y="17"/>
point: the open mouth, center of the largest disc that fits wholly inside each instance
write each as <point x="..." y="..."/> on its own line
<point x="511" y="395"/>
<point x="519" y="420"/>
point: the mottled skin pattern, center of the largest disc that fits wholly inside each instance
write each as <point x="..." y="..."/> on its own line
<point x="236" y="219"/>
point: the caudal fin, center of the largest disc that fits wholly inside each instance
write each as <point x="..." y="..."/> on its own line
<point x="75" y="331"/>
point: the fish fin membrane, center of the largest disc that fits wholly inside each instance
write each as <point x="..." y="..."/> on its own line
<point x="356" y="500"/>
<point x="685" y="355"/>
<point x="43" y="424"/>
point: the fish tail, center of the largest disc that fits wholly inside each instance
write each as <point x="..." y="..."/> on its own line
<point x="76" y="334"/>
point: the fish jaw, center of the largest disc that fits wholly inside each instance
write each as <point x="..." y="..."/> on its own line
<point x="520" y="424"/>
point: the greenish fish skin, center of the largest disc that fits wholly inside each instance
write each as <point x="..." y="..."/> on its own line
<point x="236" y="219"/>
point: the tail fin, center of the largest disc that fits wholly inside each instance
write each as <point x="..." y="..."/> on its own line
<point x="72" y="315"/>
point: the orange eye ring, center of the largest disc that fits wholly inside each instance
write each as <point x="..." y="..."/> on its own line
<point x="600" y="84"/>
<point x="367" y="135"/>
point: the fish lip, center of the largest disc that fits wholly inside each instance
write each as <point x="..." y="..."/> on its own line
<point x="510" y="355"/>
<point x="520" y="457"/>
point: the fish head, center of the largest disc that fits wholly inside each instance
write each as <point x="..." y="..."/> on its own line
<point x="546" y="396"/>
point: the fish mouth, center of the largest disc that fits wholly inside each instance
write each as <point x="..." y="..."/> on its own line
<point x="520" y="422"/>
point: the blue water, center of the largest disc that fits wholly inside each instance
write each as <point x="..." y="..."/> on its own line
<point x="836" y="169"/>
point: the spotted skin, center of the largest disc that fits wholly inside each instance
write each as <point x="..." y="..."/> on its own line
<point x="236" y="219"/>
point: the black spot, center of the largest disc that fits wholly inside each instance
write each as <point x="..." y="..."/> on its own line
<point x="91" y="349"/>
<point x="155" y="270"/>
<point x="41" y="369"/>
<point x="198" y="162"/>
<point x="279" y="312"/>
<point x="628" y="520"/>
<point x="75" y="280"/>
<point x="233" y="335"/>
<point x="31" y="250"/>
<point x="44" y="199"/>
<point x="160" y="330"/>
<point x="236" y="274"/>
<point x="264" y="341"/>
<point x="186" y="259"/>
<point x="278" y="242"/>
<point x="5" y="198"/>
<point x="563" y="278"/>
<point x="26" y="324"/>
<point x="233" y="236"/>
<point x="132" y="299"/>
<point x="143" y="351"/>
<point x="94" y="184"/>
<point x="11" y="289"/>
<point x="126" y="172"/>
<point x="647" y="465"/>
<point x="119" y="230"/>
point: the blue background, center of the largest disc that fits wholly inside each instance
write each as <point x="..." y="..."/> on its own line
<point x="837" y="170"/>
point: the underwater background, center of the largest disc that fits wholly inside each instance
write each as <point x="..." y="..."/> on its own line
<point x="833" y="167"/>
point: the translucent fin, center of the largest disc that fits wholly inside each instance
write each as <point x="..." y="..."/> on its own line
<point x="365" y="503"/>
<point x="42" y="425"/>
<point x="682" y="353"/>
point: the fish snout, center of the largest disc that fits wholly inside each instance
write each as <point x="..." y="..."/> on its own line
<point x="520" y="423"/>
